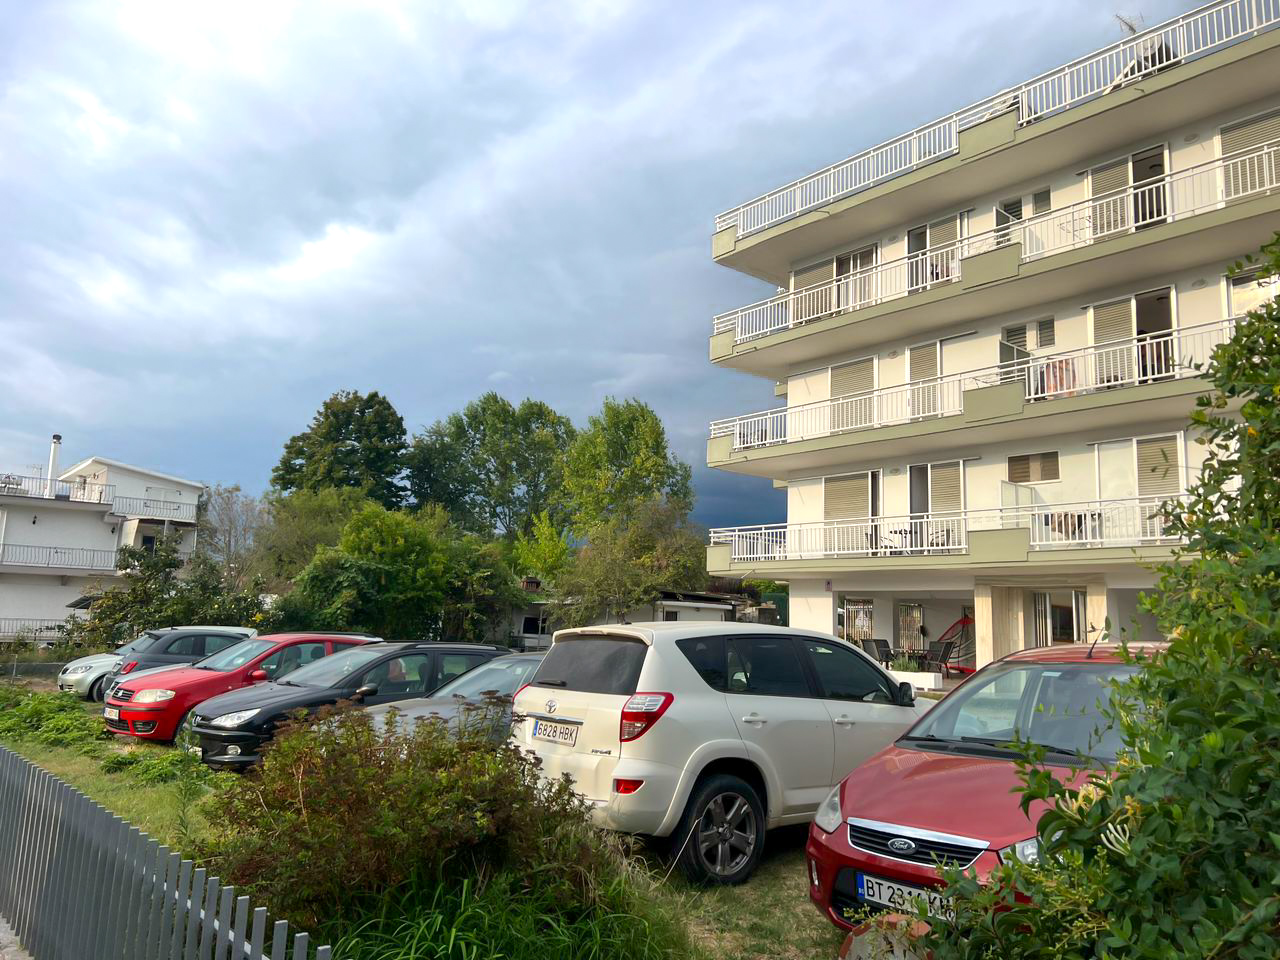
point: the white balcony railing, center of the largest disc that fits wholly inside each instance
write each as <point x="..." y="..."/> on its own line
<point x="30" y="628"/>
<point x="13" y="485"/>
<point x="71" y="558"/>
<point x="1204" y="187"/>
<point x="1138" y="360"/>
<point x="148" y="508"/>
<point x="1192" y="35"/>
<point x="1134" y="521"/>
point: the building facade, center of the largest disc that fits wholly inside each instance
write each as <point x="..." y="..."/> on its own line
<point x="60" y="532"/>
<point x="986" y="337"/>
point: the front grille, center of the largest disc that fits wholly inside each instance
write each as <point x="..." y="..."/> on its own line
<point x="929" y="850"/>
<point x="123" y="694"/>
<point x="118" y="725"/>
<point x="144" y="726"/>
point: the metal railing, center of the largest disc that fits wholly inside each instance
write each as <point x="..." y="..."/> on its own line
<point x="1131" y="521"/>
<point x="154" y="508"/>
<point x="29" y="628"/>
<point x="79" y="883"/>
<point x="73" y="558"/>
<point x="1138" y="360"/>
<point x="13" y="485"/>
<point x="1192" y="35"/>
<point x="1198" y="189"/>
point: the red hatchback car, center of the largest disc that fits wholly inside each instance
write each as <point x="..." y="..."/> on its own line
<point x="943" y="792"/>
<point x="155" y="706"/>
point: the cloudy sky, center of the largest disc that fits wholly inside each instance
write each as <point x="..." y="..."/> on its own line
<point x="217" y="213"/>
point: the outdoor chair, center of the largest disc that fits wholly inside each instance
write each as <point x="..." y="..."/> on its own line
<point x="939" y="655"/>
<point x="879" y="650"/>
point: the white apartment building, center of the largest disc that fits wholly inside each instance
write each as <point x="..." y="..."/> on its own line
<point x="985" y="337"/>
<point x="60" y="531"/>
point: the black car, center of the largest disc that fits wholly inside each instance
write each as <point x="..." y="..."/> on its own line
<point x="232" y="727"/>
<point x="174" y="647"/>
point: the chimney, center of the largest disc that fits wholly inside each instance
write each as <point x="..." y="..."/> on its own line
<point x="54" y="446"/>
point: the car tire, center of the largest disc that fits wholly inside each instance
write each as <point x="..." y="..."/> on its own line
<point x="721" y="835"/>
<point x="181" y="739"/>
<point x="98" y="690"/>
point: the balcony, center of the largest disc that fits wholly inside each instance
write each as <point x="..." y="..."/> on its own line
<point x="996" y="536"/>
<point x="1147" y="360"/>
<point x="28" y="628"/>
<point x="1200" y="189"/>
<point x="1026" y="127"/>
<point x="57" y="558"/>
<point x="147" y="508"/>
<point x="44" y="488"/>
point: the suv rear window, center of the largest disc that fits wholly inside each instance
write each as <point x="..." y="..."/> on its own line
<point x="593" y="664"/>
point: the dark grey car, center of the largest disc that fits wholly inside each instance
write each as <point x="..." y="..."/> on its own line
<point x="175" y="647"/>
<point x="468" y="695"/>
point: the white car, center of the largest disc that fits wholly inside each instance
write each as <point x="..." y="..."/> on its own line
<point x="707" y="733"/>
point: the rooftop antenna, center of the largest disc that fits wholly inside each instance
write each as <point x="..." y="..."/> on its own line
<point x="1130" y="25"/>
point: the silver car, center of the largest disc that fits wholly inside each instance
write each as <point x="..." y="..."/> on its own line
<point x="87" y="676"/>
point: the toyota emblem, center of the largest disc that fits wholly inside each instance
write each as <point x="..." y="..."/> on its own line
<point x="551" y="708"/>
<point x="901" y="845"/>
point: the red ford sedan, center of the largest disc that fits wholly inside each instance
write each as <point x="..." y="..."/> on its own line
<point x="155" y="706"/>
<point x="944" y="791"/>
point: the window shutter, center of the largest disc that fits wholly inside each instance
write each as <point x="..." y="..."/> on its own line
<point x="807" y="276"/>
<point x="847" y="498"/>
<point x="1015" y="336"/>
<point x="1251" y="174"/>
<point x="1020" y="469"/>
<point x="1112" y="212"/>
<point x="1251" y="133"/>
<point x="1046" y="332"/>
<point x="943" y="232"/>
<point x="1158" y="474"/>
<point x="1045" y="466"/>
<point x="850" y="378"/>
<point x="1112" y="321"/>
<point x="1110" y="176"/>
<point x="923" y="362"/>
<point x="1040" y="203"/>
<point x="944" y="487"/>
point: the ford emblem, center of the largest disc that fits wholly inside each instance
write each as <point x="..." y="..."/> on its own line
<point x="901" y="845"/>
<point x="551" y="708"/>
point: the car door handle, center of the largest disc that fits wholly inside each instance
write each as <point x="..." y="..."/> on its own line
<point x="844" y="721"/>
<point x="754" y="718"/>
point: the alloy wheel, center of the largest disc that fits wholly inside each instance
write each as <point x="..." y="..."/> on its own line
<point x="726" y="834"/>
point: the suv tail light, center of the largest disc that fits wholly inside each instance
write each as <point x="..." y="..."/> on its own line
<point x="129" y="666"/>
<point x="641" y="712"/>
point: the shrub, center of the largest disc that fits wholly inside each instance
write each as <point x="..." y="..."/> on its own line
<point x="53" y="719"/>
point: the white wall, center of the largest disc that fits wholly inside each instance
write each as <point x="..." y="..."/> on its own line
<point x="40" y="597"/>
<point x="57" y="525"/>
<point x="812" y="606"/>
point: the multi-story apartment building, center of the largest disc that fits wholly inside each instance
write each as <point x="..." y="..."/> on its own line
<point x="59" y="533"/>
<point x="986" y="332"/>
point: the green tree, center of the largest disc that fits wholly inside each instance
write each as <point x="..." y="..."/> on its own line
<point x="296" y="525"/>
<point x="627" y="561"/>
<point x="493" y="466"/>
<point x="229" y="523"/>
<point x="620" y="461"/>
<point x="355" y="440"/>
<point x="544" y="551"/>
<point x="1176" y="853"/>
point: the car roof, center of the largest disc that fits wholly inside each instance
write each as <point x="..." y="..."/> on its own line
<point x="668" y="631"/>
<point x="395" y="645"/>
<point x="316" y="635"/>
<point x="1079" y="652"/>
<point x="201" y="626"/>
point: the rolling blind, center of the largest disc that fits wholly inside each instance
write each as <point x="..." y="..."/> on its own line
<point x="942" y="232"/>
<point x="1040" y="202"/>
<point x="812" y="274"/>
<point x="1158" y="474"/>
<point x="847" y="498"/>
<point x="1016" y="336"/>
<point x="923" y="362"/>
<point x="850" y="378"/>
<point x="1034" y="467"/>
<point x="1112" y="321"/>
<point x="1251" y="133"/>
<point x="1046" y="332"/>
<point x="1109" y="176"/>
<point x="944" y="487"/>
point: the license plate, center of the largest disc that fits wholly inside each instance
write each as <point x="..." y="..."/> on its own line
<point x="898" y="896"/>
<point x="111" y="713"/>
<point x="566" y="733"/>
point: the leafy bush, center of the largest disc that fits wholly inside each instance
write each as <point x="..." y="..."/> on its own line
<point x="346" y="825"/>
<point x="161" y="765"/>
<point x="53" y="719"/>
<point x="1176" y="854"/>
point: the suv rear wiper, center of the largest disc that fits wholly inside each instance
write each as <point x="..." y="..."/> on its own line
<point x="551" y="683"/>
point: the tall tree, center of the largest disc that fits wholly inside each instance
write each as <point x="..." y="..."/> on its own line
<point x="620" y="461"/>
<point x="543" y="550"/>
<point x="493" y="466"/>
<point x="355" y="440"/>
<point x="296" y="524"/>
<point x="230" y="521"/>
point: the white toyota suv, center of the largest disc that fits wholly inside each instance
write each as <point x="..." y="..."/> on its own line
<point x="707" y="733"/>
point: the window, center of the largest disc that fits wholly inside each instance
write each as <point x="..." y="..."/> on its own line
<point x="236" y="655"/>
<point x="191" y="645"/>
<point x="669" y="615"/>
<point x="534" y="626"/>
<point x="1015" y="335"/>
<point x="1034" y="467"/>
<point x="455" y="665"/>
<point x="910" y="621"/>
<point x="766" y="666"/>
<point x="1046" y="332"/>
<point x="1040" y="202"/>
<point x="291" y="658"/>
<point x="403" y="674"/>
<point x="706" y="655"/>
<point x="843" y="675"/>
<point x="1250" y="291"/>
<point x="593" y="664"/>
<point x="219" y="641"/>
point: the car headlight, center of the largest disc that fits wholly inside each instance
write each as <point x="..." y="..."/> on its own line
<point x="1028" y="851"/>
<point x="75" y="671"/>
<point x="233" y="719"/>
<point x="829" y="815"/>
<point x="154" y="696"/>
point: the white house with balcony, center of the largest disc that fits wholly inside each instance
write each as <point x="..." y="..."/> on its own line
<point x="988" y="337"/>
<point x="60" y="531"/>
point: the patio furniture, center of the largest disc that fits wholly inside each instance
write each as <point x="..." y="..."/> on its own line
<point x="879" y="650"/>
<point x="939" y="655"/>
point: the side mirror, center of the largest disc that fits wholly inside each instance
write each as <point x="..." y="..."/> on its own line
<point x="257" y="676"/>
<point x="368" y="690"/>
<point x="906" y="694"/>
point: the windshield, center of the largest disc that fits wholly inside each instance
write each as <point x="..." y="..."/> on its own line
<point x="141" y="642"/>
<point x="236" y="655"/>
<point x="332" y="671"/>
<point x="502" y="676"/>
<point x="1056" y="705"/>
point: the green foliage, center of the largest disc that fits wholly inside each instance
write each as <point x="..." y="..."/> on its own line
<point x="164" y="765"/>
<point x="620" y="462"/>
<point x="405" y="577"/>
<point x="627" y="560"/>
<point x="1175" y="854"/>
<point x="296" y="525"/>
<point x="544" y="551"/>
<point x="52" y="719"/>
<point x="493" y="466"/>
<point x="355" y="440"/>
<point x="431" y="832"/>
